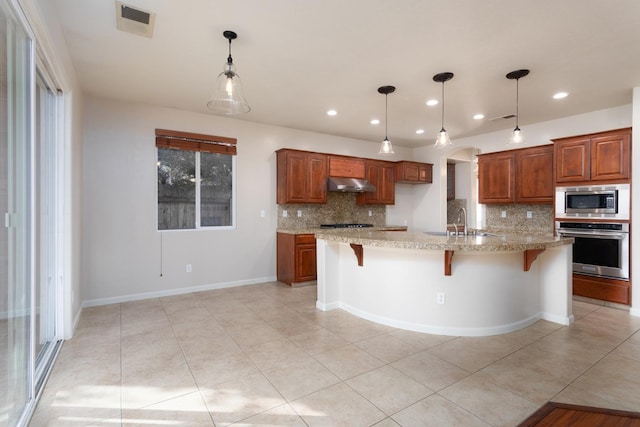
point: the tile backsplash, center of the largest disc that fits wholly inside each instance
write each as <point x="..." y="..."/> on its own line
<point x="340" y="208"/>
<point x="541" y="221"/>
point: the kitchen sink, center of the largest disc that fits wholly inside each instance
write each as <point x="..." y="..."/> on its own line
<point x="436" y="233"/>
<point x="471" y="233"/>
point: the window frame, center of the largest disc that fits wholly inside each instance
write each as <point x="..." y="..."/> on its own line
<point x="199" y="143"/>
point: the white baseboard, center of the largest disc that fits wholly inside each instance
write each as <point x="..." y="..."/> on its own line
<point x="172" y="292"/>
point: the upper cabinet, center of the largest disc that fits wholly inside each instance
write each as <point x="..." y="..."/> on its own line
<point x="413" y="172"/>
<point x="516" y="176"/>
<point x="496" y="178"/>
<point x="597" y="157"/>
<point x="451" y="181"/>
<point x="534" y="175"/>
<point x="381" y="174"/>
<point x="302" y="177"/>
<point x="346" y="167"/>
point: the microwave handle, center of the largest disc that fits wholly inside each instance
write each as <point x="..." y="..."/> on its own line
<point x="616" y="236"/>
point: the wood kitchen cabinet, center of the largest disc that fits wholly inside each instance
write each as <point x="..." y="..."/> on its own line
<point x="296" y="258"/>
<point x="301" y="177"/>
<point x="346" y="167"/>
<point x="599" y="157"/>
<point x="534" y="175"/>
<point x="516" y="176"/>
<point x="602" y="288"/>
<point x="413" y="172"/>
<point x="496" y="177"/>
<point x="382" y="175"/>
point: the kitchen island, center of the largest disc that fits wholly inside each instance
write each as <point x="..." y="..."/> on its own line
<point x="448" y="285"/>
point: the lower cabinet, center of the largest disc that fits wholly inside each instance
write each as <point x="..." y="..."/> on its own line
<point x="601" y="288"/>
<point x="296" y="258"/>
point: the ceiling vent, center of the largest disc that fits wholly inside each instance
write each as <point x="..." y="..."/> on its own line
<point x="507" y="116"/>
<point x="134" y="21"/>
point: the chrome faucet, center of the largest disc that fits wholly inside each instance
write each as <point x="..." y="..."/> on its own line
<point x="462" y="215"/>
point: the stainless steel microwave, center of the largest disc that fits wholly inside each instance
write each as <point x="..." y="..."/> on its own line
<point x="597" y="201"/>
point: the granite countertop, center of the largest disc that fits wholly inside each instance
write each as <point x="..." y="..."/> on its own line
<point x="316" y="230"/>
<point x="424" y="241"/>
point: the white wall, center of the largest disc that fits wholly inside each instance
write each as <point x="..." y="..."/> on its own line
<point x="430" y="203"/>
<point x="121" y="246"/>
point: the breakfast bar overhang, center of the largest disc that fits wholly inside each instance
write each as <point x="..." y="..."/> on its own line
<point x="447" y="285"/>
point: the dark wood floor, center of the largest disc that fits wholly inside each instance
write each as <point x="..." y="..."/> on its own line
<point x="564" y="415"/>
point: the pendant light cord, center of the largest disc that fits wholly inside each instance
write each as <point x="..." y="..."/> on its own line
<point x="386" y="113"/>
<point x="442" y="122"/>
<point x="517" y="102"/>
<point x="229" y="59"/>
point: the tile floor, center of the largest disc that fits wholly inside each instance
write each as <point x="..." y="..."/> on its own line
<point x="262" y="355"/>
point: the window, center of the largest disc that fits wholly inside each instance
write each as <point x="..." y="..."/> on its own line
<point x="195" y="180"/>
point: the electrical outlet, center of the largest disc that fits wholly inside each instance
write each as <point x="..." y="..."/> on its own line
<point x="370" y="213"/>
<point x="299" y="214"/>
<point x="189" y="269"/>
<point x="503" y="214"/>
<point x="529" y="214"/>
<point x="284" y="214"/>
<point x="440" y="299"/>
<point x="262" y="213"/>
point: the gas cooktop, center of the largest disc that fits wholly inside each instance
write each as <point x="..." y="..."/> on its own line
<point x="353" y="225"/>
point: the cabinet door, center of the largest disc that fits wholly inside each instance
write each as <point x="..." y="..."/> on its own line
<point x="316" y="179"/>
<point x="296" y="179"/>
<point x="572" y="159"/>
<point x="346" y="167"/>
<point x="381" y="174"/>
<point x="425" y="173"/>
<point x="305" y="262"/>
<point x="496" y="178"/>
<point x="610" y="156"/>
<point x="534" y="178"/>
<point x="387" y="182"/>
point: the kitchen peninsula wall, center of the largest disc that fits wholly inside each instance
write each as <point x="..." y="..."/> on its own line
<point x="340" y="208"/>
<point x="541" y="221"/>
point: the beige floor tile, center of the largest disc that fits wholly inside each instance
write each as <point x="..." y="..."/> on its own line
<point x="430" y="370"/>
<point x="300" y="378"/>
<point x="577" y="396"/>
<point x="348" y="361"/>
<point x="338" y="405"/>
<point x="272" y="353"/>
<point x="280" y="416"/>
<point x="387" y="347"/>
<point x="630" y="348"/>
<point x="188" y="410"/>
<point x="480" y="397"/>
<point x="436" y="411"/>
<point x="420" y="340"/>
<point x="474" y="353"/>
<point x="145" y="384"/>
<point x="207" y="345"/>
<point x="581" y="309"/>
<point x="241" y="398"/>
<point x="51" y="412"/>
<point x="209" y="372"/>
<point x="319" y="340"/>
<point x="389" y="389"/>
<point x="249" y="335"/>
<point x="387" y="422"/>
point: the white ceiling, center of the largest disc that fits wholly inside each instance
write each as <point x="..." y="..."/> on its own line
<point x="299" y="58"/>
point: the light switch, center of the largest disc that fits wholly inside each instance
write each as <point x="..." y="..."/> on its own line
<point x="284" y="214"/>
<point x="503" y="214"/>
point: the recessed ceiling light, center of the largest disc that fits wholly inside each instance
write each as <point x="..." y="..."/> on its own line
<point x="375" y="122"/>
<point x="560" y="95"/>
<point x="420" y="131"/>
<point x="478" y="116"/>
<point x="432" y="102"/>
<point x="332" y="112"/>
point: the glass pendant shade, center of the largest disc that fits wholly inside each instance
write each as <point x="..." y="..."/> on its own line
<point x="443" y="139"/>
<point x="517" y="137"/>
<point x="386" y="147"/>
<point x="229" y="97"/>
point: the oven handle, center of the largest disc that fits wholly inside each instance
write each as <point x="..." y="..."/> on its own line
<point x="616" y="236"/>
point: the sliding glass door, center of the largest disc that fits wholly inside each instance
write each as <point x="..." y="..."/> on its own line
<point x="29" y="277"/>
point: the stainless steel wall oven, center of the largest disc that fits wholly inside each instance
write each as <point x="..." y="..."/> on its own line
<point x="600" y="249"/>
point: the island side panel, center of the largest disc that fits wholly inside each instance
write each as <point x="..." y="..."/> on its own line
<point x="327" y="258"/>
<point x="555" y="284"/>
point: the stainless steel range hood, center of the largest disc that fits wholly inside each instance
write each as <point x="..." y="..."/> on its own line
<point x="350" y="185"/>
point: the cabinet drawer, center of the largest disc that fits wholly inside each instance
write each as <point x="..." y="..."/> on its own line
<point x="305" y="238"/>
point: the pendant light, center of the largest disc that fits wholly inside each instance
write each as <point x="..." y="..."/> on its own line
<point x="517" y="136"/>
<point x="229" y="98"/>
<point x="443" y="139"/>
<point x="386" y="147"/>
